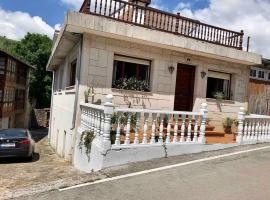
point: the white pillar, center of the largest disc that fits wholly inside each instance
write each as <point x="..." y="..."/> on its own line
<point x="241" y="119"/>
<point x="108" y="111"/>
<point x="203" y="123"/>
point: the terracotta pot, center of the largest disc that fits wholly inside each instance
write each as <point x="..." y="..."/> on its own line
<point x="228" y="129"/>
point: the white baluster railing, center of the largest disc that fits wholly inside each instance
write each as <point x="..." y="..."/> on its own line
<point x="141" y="126"/>
<point x="158" y="126"/>
<point x="252" y="128"/>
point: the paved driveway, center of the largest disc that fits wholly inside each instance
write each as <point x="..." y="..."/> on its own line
<point x="16" y="175"/>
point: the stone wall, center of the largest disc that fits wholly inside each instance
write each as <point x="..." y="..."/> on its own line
<point x="42" y="117"/>
<point x="97" y="71"/>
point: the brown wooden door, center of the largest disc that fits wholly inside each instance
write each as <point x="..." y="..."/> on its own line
<point x="184" y="88"/>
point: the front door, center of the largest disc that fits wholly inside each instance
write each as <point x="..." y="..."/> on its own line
<point x="184" y="88"/>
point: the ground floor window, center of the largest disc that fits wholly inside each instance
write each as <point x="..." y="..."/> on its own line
<point x="131" y="73"/>
<point x="218" y="85"/>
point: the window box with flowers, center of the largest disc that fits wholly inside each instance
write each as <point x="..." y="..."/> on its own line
<point x="131" y="74"/>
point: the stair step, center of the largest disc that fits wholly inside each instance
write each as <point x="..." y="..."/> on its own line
<point x="214" y="134"/>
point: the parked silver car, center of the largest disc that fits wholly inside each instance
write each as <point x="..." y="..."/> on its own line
<point x="16" y="143"/>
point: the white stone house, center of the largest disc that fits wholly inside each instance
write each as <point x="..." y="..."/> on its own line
<point x="184" y="63"/>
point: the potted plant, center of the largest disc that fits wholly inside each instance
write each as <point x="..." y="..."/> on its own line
<point x="219" y="95"/>
<point x="227" y="124"/>
<point x="209" y="127"/>
<point x="89" y="93"/>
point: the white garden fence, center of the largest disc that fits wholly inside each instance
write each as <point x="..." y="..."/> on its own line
<point x="253" y="128"/>
<point x="124" y="127"/>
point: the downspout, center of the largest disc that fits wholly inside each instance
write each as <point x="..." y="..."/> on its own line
<point x="78" y="75"/>
<point x="51" y="108"/>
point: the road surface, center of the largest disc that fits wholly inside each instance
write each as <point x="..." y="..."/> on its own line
<point x="231" y="177"/>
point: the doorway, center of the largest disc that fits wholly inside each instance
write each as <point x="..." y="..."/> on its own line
<point x="184" y="87"/>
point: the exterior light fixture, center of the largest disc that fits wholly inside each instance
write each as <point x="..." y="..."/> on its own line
<point x="203" y="74"/>
<point x="171" y="69"/>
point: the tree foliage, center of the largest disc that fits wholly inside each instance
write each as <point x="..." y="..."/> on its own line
<point x="8" y="44"/>
<point x="36" y="49"/>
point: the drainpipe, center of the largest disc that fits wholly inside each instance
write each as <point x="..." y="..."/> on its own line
<point x="78" y="75"/>
<point x="50" y="119"/>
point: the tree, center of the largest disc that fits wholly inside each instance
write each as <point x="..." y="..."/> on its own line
<point x="36" y="49"/>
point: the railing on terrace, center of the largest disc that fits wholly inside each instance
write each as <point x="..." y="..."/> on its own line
<point x="127" y="126"/>
<point x="253" y="128"/>
<point x="163" y="21"/>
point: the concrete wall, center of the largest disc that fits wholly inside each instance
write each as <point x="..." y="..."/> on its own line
<point x="97" y="70"/>
<point x="62" y="109"/>
<point x="62" y="135"/>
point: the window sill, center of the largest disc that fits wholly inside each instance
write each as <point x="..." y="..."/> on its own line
<point x="70" y="90"/>
<point x="222" y="100"/>
<point x="131" y="91"/>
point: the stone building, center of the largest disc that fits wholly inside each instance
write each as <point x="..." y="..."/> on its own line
<point x="179" y="63"/>
<point x="259" y="88"/>
<point x="14" y="87"/>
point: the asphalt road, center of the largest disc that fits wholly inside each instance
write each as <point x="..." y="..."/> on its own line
<point x="245" y="176"/>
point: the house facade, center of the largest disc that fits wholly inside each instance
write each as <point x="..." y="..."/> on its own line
<point x="14" y="86"/>
<point x="173" y="62"/>
<point x="259" y="88"/>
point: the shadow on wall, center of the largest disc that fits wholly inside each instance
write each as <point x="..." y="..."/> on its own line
<point x="220" y="103"/>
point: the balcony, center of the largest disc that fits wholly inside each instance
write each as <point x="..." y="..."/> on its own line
<point x="152" y="18"/>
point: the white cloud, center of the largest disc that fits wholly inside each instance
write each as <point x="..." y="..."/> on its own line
<point x="250" y="15"/>
<point x="57" y="27"/>
<point x="75" y="4"/>
<point x="15" y="25"/>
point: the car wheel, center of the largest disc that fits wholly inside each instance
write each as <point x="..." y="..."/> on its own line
<point x="31" y="157"/>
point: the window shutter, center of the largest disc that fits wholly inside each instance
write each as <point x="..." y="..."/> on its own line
<point x="132" y="60"/>
<point x="219" y="75"/>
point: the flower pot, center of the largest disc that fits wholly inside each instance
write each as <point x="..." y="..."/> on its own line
<point x="228" y="129"/>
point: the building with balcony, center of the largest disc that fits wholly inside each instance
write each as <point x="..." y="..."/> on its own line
<point x="259" y="88"/>
<point x="14" y="86"/>
<point x="147" y="59"/>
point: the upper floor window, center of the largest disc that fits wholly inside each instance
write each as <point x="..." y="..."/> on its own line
<point x="261" y="74"/>
<point x="131" y="73"/>
<point x="73" y="73"/>
<point x="11" y="69"/>
<point x="2" y="65"/>
<point x="253" y="73"/>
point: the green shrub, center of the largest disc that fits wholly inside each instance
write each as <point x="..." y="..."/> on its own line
<point x="132" y="84"/>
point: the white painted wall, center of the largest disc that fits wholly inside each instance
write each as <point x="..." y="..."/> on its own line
<point x="62" y="134"/>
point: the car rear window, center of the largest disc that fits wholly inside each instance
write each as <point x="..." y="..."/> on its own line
<point x="13" y="133"/>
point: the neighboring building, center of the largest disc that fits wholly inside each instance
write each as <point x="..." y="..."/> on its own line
<point x="180" y="62"/>
<point x="259" y="88"/>
<point x="14" y="85"/>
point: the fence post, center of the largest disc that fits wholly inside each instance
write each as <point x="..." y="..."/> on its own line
<point x="240" y="119"/>
<point x="177" y="23"/>
<point x="108" y="111"/>
<point x="203" y="123"/>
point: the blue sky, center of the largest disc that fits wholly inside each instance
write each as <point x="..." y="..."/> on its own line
<point x="52" y="11"/>
<point x="17" y="17"/>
